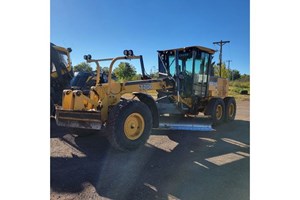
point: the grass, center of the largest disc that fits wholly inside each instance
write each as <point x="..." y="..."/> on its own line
<point x="235" y="87"/>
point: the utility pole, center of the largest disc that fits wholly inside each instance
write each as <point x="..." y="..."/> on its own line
<point x="230" y="74"/>
<point x="221" y="43"/>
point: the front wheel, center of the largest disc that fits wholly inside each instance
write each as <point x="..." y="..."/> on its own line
<point x="129" y="125"/>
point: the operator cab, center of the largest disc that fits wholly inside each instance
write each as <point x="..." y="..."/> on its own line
<point x="190" y="67"/>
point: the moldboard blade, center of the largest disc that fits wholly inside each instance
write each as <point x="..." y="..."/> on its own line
<point x="185" y="123"/>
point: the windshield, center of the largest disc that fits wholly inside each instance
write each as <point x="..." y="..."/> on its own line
<point x="187" y="62"/>
<point x="63" y="58"/>
<point x="59" y="60"/>
<point x="193" y="65"/>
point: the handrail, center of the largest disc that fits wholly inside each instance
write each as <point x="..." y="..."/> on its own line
<point x="111" y="66"/>
<point x="113" y="60"/>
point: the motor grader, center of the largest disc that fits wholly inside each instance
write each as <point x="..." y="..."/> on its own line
<point x="186" y="87"/>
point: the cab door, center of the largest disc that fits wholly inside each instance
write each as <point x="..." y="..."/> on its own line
<point x="200" y="79"/>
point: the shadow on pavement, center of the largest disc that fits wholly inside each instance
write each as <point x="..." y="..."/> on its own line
<point x="191" y="165"/>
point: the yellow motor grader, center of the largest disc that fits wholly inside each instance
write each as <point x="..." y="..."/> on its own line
<point x="186" y="87"/>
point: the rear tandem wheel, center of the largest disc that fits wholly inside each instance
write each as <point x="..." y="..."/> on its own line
<point x="230" y="108"/>
<point x="216" y="109"/>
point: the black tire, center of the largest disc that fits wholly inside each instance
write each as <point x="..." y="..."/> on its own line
<point x="52" y="108"/>
<point x="230" y="108"/>
<point x="216" y="109"/>
<point x="116" y="120"/>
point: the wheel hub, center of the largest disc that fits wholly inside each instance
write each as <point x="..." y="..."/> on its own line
<point x="134" y="126"/>
<point x="219" y="112"/>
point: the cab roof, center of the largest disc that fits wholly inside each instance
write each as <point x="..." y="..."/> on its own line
<point x="208" y="50"/>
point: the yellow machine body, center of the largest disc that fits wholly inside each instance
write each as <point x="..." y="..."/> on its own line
<point x="184" y="88"/>
<point x="101" y="96"/>
<point x="218" y="88"/>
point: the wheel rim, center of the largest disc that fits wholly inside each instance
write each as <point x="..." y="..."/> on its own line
<point x="134" y="126"/>
<point x="231" y="110"/>
<point x="219" y="112"/>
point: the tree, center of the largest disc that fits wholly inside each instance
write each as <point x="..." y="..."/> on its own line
<point x="136" y="77"/>
<point x="235" y="74"/>
<point x="224" y="70"/>
<point x="245" y="77"/>
<point x="154" y="73"/>
<point x="83" y="67"/>
<point x="105" y="69"/>
<point x="125" y="71"/>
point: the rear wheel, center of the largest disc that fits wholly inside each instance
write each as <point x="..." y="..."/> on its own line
<point x="216" y="109"/>
<point x="129" y="125"/>
<point x="230" y="108"/>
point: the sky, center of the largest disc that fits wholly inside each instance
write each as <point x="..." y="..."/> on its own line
<point x="104" y="28"/>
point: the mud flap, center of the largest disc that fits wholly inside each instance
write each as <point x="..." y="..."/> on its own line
<point x="185" y="123"/>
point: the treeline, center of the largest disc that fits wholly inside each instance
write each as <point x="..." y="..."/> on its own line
<point x="232" y="74"/>
<point x="126" y="71"/>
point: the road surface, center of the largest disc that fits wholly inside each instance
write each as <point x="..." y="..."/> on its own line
<point x="171" y="165"/>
